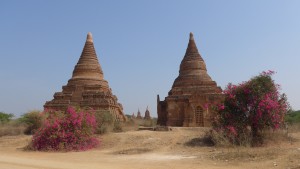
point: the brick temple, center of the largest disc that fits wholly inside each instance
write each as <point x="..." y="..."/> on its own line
<point x="87" y="88"/>
<point x="139" y="116"/>
<point x="186" y="103"/>
<point x="147" y="114"/>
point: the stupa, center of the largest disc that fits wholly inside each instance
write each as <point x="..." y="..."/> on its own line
<point x="187" y="103"/>
<point x="139" y="116"/>
<point x="87" y="88"/>
<point x="133" y="116"/>
<point x="147" y="114"/>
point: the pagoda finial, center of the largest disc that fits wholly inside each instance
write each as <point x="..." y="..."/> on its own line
<point x="89" y="37"/>
<point x="192" y="48"/>
<point x="191" y="36"/>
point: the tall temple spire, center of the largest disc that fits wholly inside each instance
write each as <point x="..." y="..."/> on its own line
<point x="192" y="68"/>
<point x="139" y="116"/>
<point x="88" y="66"/>
<point x="88" y="54"/>
<point x="192" y="50"/>
<point x="147" y="114"/>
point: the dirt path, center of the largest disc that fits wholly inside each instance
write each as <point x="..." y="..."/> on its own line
<point x="150" y="150"/>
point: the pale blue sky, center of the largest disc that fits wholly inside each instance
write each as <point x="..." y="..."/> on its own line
<point x="140" y="45"/>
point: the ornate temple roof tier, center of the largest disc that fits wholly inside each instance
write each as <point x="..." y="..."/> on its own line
<point x="87" y="87"/>
<point x="191" y="90"/>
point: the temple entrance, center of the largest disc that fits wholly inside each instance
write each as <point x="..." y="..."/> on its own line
<point x="199" y="116"/>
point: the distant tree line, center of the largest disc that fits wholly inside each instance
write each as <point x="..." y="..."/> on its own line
<point x="293" y="117"/>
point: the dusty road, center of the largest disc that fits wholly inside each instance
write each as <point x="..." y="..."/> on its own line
<point x="151" y="150"/>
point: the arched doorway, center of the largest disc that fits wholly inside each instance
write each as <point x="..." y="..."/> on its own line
<point x="199" y="116"/>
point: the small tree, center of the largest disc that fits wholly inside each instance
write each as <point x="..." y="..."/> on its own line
<point x="4" y="117"/>
<point x="251" y="107"/>
<point x="293" y="117"/>
<point x="33" y="120"/>
<point x="104" y="121"/>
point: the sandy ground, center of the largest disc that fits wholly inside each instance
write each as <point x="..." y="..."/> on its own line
<point x="152" y="150"/>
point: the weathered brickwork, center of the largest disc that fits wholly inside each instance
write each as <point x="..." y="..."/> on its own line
<point x="87" y="88"/>
<point x="192" y="91"/>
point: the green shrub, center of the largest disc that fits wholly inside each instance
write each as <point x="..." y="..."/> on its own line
<point x="4" y="117"/>
<point x="33" y="120"/>
<point x="104" y="122"/>
<point x="293" y="117"/>
<point x="146" y="122"/>
<point x="117" y="127"/>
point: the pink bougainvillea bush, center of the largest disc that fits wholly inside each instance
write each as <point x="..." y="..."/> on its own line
<point x="66" y="131"/>
<point x="250" y="107"/>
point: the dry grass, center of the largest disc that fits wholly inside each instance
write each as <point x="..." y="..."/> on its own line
<point x="276" y="137"/>
<point x="246" y="154"/>
<point x="267" y="136"/>
<point x="131" y="125"/>
<point x="150" y="149"/>
<point x="132" y="151"/>
<point x="12" y="129"/>
<point x="293" y="128"/>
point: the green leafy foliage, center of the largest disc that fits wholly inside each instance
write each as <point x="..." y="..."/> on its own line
<point x="33" y="120"/>
<point x="293" y="117"/>
<point x="117" y="127"/>
<point x="104" y="121"/>
<point x="4" y="117"/>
